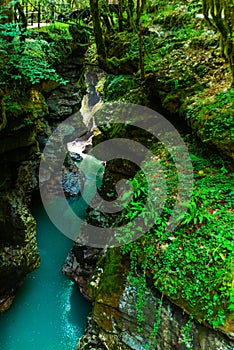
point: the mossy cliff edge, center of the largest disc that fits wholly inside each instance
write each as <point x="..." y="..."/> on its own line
<point x="170" y="291"/>
<point x="165" y="290"/>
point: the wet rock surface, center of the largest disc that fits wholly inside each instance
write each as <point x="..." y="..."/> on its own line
<point x="63" y="102"/>
<point x="66" y="100"/>
<point x="20" y="158"/>
<point x="71" y="183"/>
<point x="18" y="251"/>
<point x="80" y="265"/>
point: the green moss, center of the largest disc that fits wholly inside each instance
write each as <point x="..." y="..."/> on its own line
<point x="213" y="119"/>
<point x="107" y="287"/>
<point x="114" y="273"/>
<point x="24" y="110"/>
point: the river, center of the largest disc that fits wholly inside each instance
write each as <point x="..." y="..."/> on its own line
<point x="48" y="312"/>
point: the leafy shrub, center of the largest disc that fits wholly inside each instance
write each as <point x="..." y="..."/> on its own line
<point x="28" y="61"/>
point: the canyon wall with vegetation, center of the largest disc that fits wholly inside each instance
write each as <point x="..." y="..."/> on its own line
<point x="33" y="100"/>
<point x="165" y="290"/>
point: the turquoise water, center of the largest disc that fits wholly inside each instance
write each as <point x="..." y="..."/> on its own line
<point x="48" y="312"/>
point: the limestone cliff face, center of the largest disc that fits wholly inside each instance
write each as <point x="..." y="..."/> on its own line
<point x="19" y="162"/>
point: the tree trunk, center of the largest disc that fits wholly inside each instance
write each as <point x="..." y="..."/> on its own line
<point x="220" y="15"/>
<point x="137" y="13"/>
<point x="101" y="49"/>
<point x="130" y="9"/>
<point x="141" y="54"/>
<point x="22" y="23"/>
<point x="121" y="15"/>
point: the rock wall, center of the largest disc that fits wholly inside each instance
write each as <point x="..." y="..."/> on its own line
<point x="19" y="162"/>
<point x="113" y="324"/>
<point x="26" y="121"/>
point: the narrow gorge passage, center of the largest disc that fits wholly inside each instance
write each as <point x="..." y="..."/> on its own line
<point x="49" y="312"/>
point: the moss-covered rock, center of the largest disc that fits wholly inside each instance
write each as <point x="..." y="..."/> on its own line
<point x="115" y="320"/>
<point x="212" y="117"/>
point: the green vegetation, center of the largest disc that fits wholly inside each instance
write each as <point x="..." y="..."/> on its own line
<point x="192" y="265"/>
<point x="185" y="334"/>
<point x="212" y="117"/>
<point x="31" y="62"/>
<point x="219" y="15"/>
<point x="28" y="64"/>
<point x="183" y="67"/>
<point x="159" y="54"/>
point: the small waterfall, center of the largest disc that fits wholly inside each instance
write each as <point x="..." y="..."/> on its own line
<point x="91" y="102"/>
